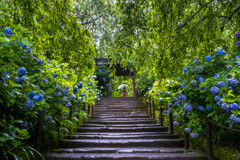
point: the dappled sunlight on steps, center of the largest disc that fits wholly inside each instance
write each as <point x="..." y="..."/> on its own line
<point x="120" y="129"/>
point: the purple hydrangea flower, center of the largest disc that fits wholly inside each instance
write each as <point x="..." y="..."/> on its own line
<point x="187" y="130"/>
<point x="194" y="135"/>
<point x="232" y="82"/>
<point x="175" y="99"/>
<point x="175" y="115"/>
<point x="237" y="34"/>
<point x="215" y="90"/>
<point x="238" y="43"/>
<point x="229" y="66"/>
<point x="187" y="107"/>
<point x="165" y="112"/>
<point x="45" y="80"/>
<point x="175" y="123"/>
<point x="182" y="97"/>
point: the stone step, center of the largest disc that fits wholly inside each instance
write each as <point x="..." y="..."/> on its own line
<point x="124" y="129"/>
<point x="120" y="133"/>
<point x="110" y="111"/>
<point x="124" y="156"/>
<point x="120" y="125"/>
<point x="76" y="143"/>
<point x="141" y="136"/>
<point x="121" y="122"/>
<point x="122" y="150"/>
<point x="121" y="115"/>
<point x="121" y="118"/>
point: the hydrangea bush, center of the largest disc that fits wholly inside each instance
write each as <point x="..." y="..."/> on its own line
<point x="32" y="87"/>
<point x="208" y="87"/>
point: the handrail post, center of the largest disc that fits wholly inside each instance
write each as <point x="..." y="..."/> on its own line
<point x="150" y="110"/>
<point x="92" y="110"/>
<point x="39" y="127"/>
<point x="160" y="116"/>
<point x="171" y="123"/>
<point x="146" y="106"/>
<point x="153" y="107"/>
<point x="89" y="109"/>
<point x="186" y="137"/>
<point x="84" y="107"/>
<point x="209" y="140"/>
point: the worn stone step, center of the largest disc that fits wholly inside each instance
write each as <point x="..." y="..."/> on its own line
<point x="122" y="150"/>
<point x="141" y="136"/>
<point x="76" y="143"/>
<point x="120" y="116"/>
<point x="126" y="118"/>
<point x="120" y="125"/>
<point x="119" y="133"/>
<point x="119" y="110"/>
<point x="123" y="129"/>
<point x="125" y="156"/>
<point x="121" y="122"/>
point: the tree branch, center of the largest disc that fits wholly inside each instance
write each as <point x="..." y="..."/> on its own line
<point x="194" y="15"/>
<point x="91" y="21"/>
<point x="235" y="11"/>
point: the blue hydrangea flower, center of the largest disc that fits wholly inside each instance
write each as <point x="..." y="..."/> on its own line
<point x="175" y="123"/>
<point x="194" y="135"/>
<point x="208" y="108"/>
<point x="200" y="108"/>
<point x="95" y="97"/>
<point x="175" y="115"/>
<point x="217" y="75"/>
<point x="170" y="104"/>
<point x="89" y="84"/>
<point x="166" y="82"/>
<point x="20" y="80"/>
<point x="187" y="107"/>
<point x="221" y="84"/>
<point x="29" y="49"/>
<point x="165" y="112"/>
<point x="232" y="82"/>
<point x="215" y="90"/>
<point x="58" y="89"/>
<point x="187" y="130"/>
<point x="81" y="94"/>
<point x="86" y="97"/>
<point x="220" y="52"/>
<point x="195" y="61"/>
<point x="182" y="85"/>
<point x="101" y="95"/>
<point x="31" y="95"/>
<point x="160" y="99"/>
<point x="177" y="103"/>
<point x="39" y="61"/>
<point x="238" y="43"/>
<point x="84" y="101"/>
<point x="234" y="105"/>
<point x="80" y="85"/>
<point x="48" y="118"/>
<point x="217" y="98"/>
<point x="104" y="79"/>
<point x="86" y="88"/>
<point x="98" y="99"/>
<point x="68" y="105"/>
<point x="67" y="88"/>
<point x="72" y="97"/>
<point x="175" y="99"/>
<point x="75" y="89"/>
<point x="234" y="119"/>
<point x="79" y="99"/>
<point x="182" y="97"/>
<point x="237" y="57"/>
<point x="94" y="77"/>
<point x="101" y="87"/>
<point x="90" y="91"/>
<point x="56" y="93"/>
<point x="208" y="58"/>
<point x="24" y="125"/>
<point x="200" y="80"/>
<point x="185" y="70"/>
<point x="62" y="65"/>
<point x="170" y="110"/>
<point x="93" y="87"/>
<point x="45" y="80"/>
<point x="39" y="97"/>
<point x="29" y="104"/>
<point x="237" y="34"/>
<point x="65" y="92"/>
<point x="21" y="71"/>
<point x="7" y="32"/>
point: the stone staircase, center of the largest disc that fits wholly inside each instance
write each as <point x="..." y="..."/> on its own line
<point x="121" y="130"/>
